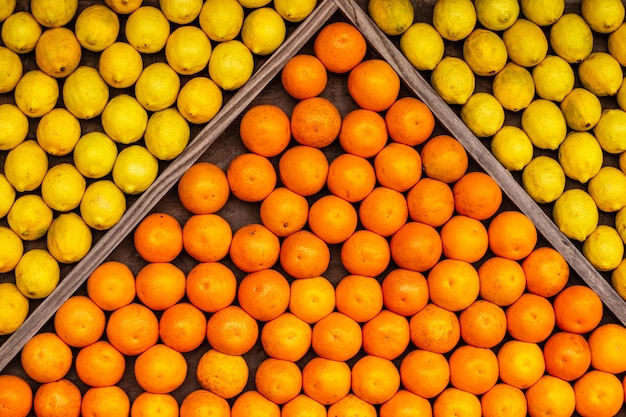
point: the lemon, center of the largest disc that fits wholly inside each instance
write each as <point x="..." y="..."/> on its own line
<point x="29" y="217"/>
<point x="253" y="4"/>
<point x="180" y="11"/>
<point x="124" y="119"/>
<point x="58" y="52"/>
<point x="13" y="126"/>
<point x="571" y="38"/>
<point x="512" y="147"/>
<point x="616" y="44"/>
<point x="58" y="131"/>
<point x="544" y="124"/>
<point x="53" y="13"/>
<point x="604" y="248"/>
<point x="543" y="179"/>
<point x="221" y="20"/>
<point x="582" y="109"/>
<point x="454" y="19"/>
<point x="483" y="114"/>
<point x="554" y="78"/>
<point x="120" y="65"/>
<point x="167" y="134"/>
<point x="188" y="50"/>
<point x="231" y="64"/>
<point x="13" y="308"/>
<point x="575" y="214"/>
<point x="85" y="94"/>
<point x="6" y="9"/>
<point x="294" y="10"/>
<point x="20" y="32"/>
<point x="513" y="86"/>
<point x="611" y="130"/>
<point x="620" y="224"/>
<point x="103" y="205"/>
<point x="135" y="169"/>
<point x="422" y="45"/>
<point x="147" y="29"/>
<point x="7" y="195"/>
<point x="603" y="16"/>
<point x="485" y="52"/>
<point x="157" y="87"/>
<point x="12" y="249"/>
<point x="453" y="80"/>
<point x="580" y="156"/>
<point x="622" y="162"/>
<point x="37" y="274"/>
<point x="69" y="238"/>
<point x="618" y="279"/>
<point x="63" y="187"/>
<point x="26" y="165"/>
<point x="36" y="93"/>
<point x="608" y="189"/>
<point x="601" y="74"/>
<point x="263" y="31"/>
<point x="97" y="27"/>
<point x="621" y="95"/>
<point x="526" y="44"/>
<point x="496" y="15"/>
<point x="393" y="17"/>
<point x="123" y="6"/>
<point x="199" y="100"/>
<point x="11" y="69"/>
<point x="541" y="12"/>
<point x="95" y="154"/>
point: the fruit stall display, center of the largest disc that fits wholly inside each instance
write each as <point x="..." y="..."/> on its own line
<point x="333" y="235"/>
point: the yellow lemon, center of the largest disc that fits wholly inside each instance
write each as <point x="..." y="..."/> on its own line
<point x="581" y="156"/>
<point x="69" y="238"/>
<point x="231" y="64"/>
<point x="103" y="205"/>
<point x="485" y="52"/>
<point x="53" y="13"/>
<point x="526" y="43"/>
<point x="571" y="38"/>
<point x="36" y="93"/>
<point x="253" y="4"/>
<point x="13" y="126"/>
<point x="620" y="224"/>
<point x="85" y="94"/>
<point x="575" y="214"/>
<point x="6" y="9"/>
<point x="263" y="31"/>
<point x="167" y="134"/>
<point x="13" y="308"/>
<point x="618" y="279"/>
<point x="611" y="130"/>
<point x="295" y="10"/>
<point x="621" y="95"/>
<point x="582" y="109"/>
<point x="497" y="15"/>
<point x="603" y="16"/>
<point x="11" y="69"/>
<point x="199" y="100"/>
<point x="58" y="52"/>
<point x="37" y="274"/>
<point x="95" y="154"/>
<point x="544" y="124"/>
<point x="7" y="195"/>
<point x="30" y="217"/>
<point x="604" y="248"/>
<point x="422" y="45"/>
<point x="147" y="29"/>
<point x="58" y="131"/>
<point x="554" y="78"/>
<point x="512" y="147"/>
<point x="188" y="50"/>
<point x="454" y="19"/>
<point x="124" y="119"/>
<point x="393" y="17"/>
<point x="97" y="27"/>
<point x="622" y="162"/>
<point x="180" y="11"/>
<point x="63" y="187"/>
<point x="483" y="114"/>
<point x="616" y="44"/>
<point x="542" y="12"/>
<point x="513" y="86"/>
<point x="135" y="169"/>
<point x="157" y="87"/>
<point x="120" y="65"/>
<point x="123" y="6"/>
<point x="601" y="74"/>
<point x="453" y="80"/>
<point x="26" y="165"/>
<point x="12" y="249"/>
<point x="543" y="179"/>
<point x="20" y="32"/>
<point x="221" y="20"/>
<point x="608" y="189"/>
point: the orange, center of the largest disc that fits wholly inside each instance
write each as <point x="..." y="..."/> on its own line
<point x="483" y="324"/>
<point x="211" y="286"/>
<point x="464" y="238"/>
<point x="60" y="398"/>
<point x="100" y="364"/>
<point x="278" y="380"/>
<point x="406" y="404"/>
<point x="608" y="343"/>
<point x="444" y="159"/>
<point x="202" y="402"/>
<point x="351" y="405"/>
<point x="404" y="292"/>
<point x="79" y="321"/>
<point x="105" y="401"/>
<point x="182" y="327"/>
<point x="455" y="402"/>
<point x="340" y="46"/>
<point x="409" y="121"/>
<point x="303" y="169"/>
<point x="365" y="253"/>
<point x="160" y="285"/>
<point x="253" y="404"/>
<point x="16" y="396"/>
<point x="551" y="396"/>
<point x="337" y="337"/>
<point x="304" y="76"/>
<point x="158" y="238"/>
<point x="132" y="329"/>
<point x="547" y="271"/>
<point x="512" y="235"/>
<point x="502" y="280"/>
<point x="232" y="331"/>
<point x="424" y="373"/>
<point x="264" y="294"/>
<point x="222" y="374"/>
<point x="265" y="130"/>
<point x="160" y="369"/>
<point x="503" y="400"/>
<point x="435" y="329"/>
<point x="453" y="284"/>
<point x="473" y="369"/>
<point x="430" y="201"/>
<point x="530" y="318"/>
<point x="284" y="211"/>
<point x="416" y="246"/>
<point x="383" y="211"/>
<point x="251" y="177"/>
<point x="477" y="195"/>
<point x="332" y="218"/>
<point x="325" y="380"/>
<point x="521" y="363"/>
<point x="359" y="297"/>
<point x="398" y="166"/>
<point x="311" y="299"/>
<point x="578" y="309"/>
<point x="363" y="133"/>
<point x="286" y="337"/>
<point x="203" y="188"/>
<point x="375" y="379"/>
<point x="161" y="405"/>
<point x="303" y="254"/>
<point x="111" y="285"/>
<point x="386" y="335"/>
<point x="351" y="177"/>
<point x="567" y="355"/>
<point x="303" y="406"/>
<point x="315" y="121"/>
<point x="598" y="394"/>
<point x="254" y="247"/>
<point x="373" y="84"/>
<point x="207" y="237"/>
<point x="46" y="357"/>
